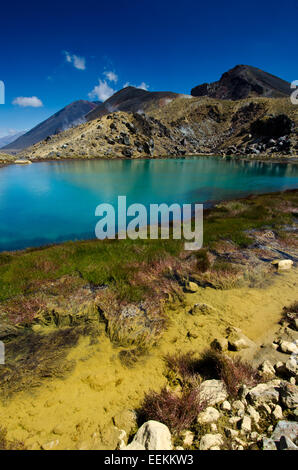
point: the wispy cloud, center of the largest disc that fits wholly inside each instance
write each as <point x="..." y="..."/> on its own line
<point x="111" y="76"/>
<point x="24" y="102"/>
<point x="102" y="91"/>
<point x="77" y="61"/>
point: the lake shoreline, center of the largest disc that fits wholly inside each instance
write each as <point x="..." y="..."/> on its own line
<point x="87" y="353"/>
<point x="249" y="158"/>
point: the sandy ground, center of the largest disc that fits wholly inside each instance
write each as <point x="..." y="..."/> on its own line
<point x="76" y="413"/>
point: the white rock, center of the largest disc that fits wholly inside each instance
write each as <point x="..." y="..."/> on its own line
<point x="283" y="264"/>
<point x="263" y="393"/>
<point x="266" y="368"/>
<point x="213" y="427"/>
<point x="226" y="406"/>
<point x="292" y="365"/>
<point x="277" y="412"/>
<point x="152" y="435"/>
<point x="210" y="415"/>
<point x="188" y="438"/>
<point x="214" y="448"/>
<point x="210" y="440"/>
<point x="288" y="348"/>
<point x="234" y="420"/>
<point x="253" y="414"/>
<point x="213" y="391"/>
<point x="246" y="424"/>
<point x="231" y="433"/>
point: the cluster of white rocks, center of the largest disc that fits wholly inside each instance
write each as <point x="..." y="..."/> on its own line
<point x="262" y="417"/>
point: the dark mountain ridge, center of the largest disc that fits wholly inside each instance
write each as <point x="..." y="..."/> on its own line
<point x="243" y="81"/>
<point x="131" y="100"/>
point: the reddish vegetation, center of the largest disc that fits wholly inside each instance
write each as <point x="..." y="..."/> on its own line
<point x="23" y="309"/>
<point x="178" y="412"/>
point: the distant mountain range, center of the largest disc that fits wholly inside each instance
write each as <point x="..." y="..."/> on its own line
<point x="70" y="116"/>
<point x="243" y="81"/>
<point x="7" y="139"/>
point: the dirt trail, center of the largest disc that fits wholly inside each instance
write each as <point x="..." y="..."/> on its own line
<point x="76" y="413"/>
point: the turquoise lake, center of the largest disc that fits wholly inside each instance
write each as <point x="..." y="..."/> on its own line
<point x="50" y="202"/>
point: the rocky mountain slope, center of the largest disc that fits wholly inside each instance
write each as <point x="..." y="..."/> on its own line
<point x="131" y="99"/>
<point x="243" y="81"/>
<point x="183" y="126"/>
<point x="70" y="116"/>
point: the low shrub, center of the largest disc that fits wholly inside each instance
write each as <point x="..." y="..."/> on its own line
<point x="177" y="411"/>
<point x="234" y="372"/>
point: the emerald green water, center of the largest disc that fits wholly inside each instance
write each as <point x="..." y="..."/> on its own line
<point x="52" y="202"/>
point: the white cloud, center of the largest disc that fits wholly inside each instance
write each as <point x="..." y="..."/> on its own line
<point x="77" y="61"/>
<point x="111" y="76"/>
<point x="142" y="86"/>
<point x="32" y="102"/>
<point x="102" y="91"/>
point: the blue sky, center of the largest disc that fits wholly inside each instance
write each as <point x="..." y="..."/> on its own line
<point x="53" y="53"/>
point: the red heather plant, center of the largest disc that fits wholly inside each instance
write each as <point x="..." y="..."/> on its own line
<point x="23" y="309"/>
<point x="183" y="364"/>
<point x="232" y="371"/>
<point x="177" y="411"/>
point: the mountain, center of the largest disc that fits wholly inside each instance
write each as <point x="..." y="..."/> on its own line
<point x="7" y="139"/>
<point x="130" y="100"/>
<point x="182" y="126"/>
<point x="70" y="116"/>
<point x="243" y="81"/>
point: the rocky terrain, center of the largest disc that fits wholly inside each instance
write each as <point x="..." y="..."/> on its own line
<point x="260" y="128"/>
<point x="70" y="116"/>
<point x="244" y="81"/>
<point x="239" y="408"/>
<point x="247" y="113"/>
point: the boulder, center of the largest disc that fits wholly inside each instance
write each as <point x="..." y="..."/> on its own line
<point x="277" y="412"/>
<point x="286" y="444"/>
<point x="226" y="406"/>
<point x="289" y="396"/>
<point x="263" y="393"/>
<point x="253" y="414"/>
<point x="210" y="415"/>
<point x="213" y="391"/>
<point x="267" y="369"/>
<point x="191" y="287"/>
<point x="288" y="347"/>
<point x="188" y="438"/>
<point x="269" y="444"/>
<point x="283" y="264"/>
<point x="292" y="365"/>
<point x="152" y="435"/>
<point x="246" y="424"/>
<point x="211" y="440"/>
<point x="237" y="340"/>
<point x="285" y="428"/>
